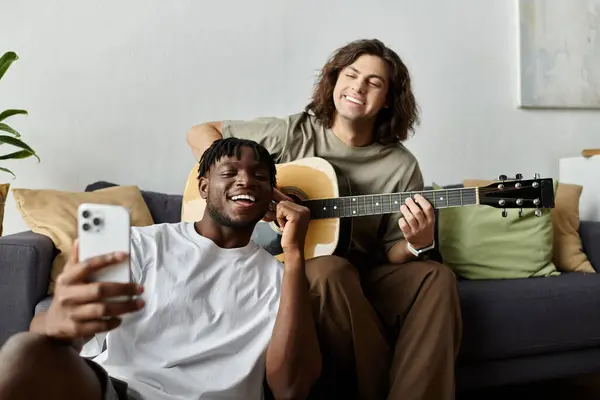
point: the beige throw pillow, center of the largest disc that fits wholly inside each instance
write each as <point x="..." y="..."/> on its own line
<point x="53" y="213"/>
<point x="3" y="194"/>
<point x="568" y="249"/>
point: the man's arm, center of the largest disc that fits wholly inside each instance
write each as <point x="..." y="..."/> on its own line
<point x="38" y="325"/>
<point x="417" y="225"/>
<point x="79" y="309"/>
<point x="293" y="356"/>
<point x="399" y="253"/>
<point x="272" y="132"/>
<point x="200" y="137"/>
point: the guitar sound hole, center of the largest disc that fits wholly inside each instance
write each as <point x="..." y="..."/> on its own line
<point x="295" y="194"/>
<point x="295" y="198"/>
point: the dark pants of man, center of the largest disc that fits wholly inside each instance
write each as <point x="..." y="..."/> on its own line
<point x="389" y="332"/>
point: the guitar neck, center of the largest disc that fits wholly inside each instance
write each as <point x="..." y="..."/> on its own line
<point x="377" y="204"/>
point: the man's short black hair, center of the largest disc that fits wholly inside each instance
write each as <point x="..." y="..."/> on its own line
<point x="230" y="146"/>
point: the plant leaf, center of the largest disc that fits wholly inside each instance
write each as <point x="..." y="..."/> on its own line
<point x="6" y="128"/>
<point x="9" y="113"/>
<point x="18" y="143"/>
<point x="8" y="170"/>
<point x="6" y="60"/>
<point x="17" y="155"/>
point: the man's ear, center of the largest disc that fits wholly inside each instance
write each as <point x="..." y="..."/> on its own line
<point x="203" y="187"/>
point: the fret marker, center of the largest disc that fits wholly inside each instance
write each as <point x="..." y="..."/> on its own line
<point x="335" y="207"/>
<point x="395" y="202"/>
<point x="442" y="198"/>
<point x="354" y="212"/>
<point x="376" y="204"/>
<point x="353" y="199"/>
<point x="324" y="208"/>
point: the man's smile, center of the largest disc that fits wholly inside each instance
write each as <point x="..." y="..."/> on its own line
<point x="245" y="200"/>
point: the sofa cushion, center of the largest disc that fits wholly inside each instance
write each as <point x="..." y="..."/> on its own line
<point x="518" y="317"/>
<point x="53" y="213"/>
<point x="568" y="255"/>
<point x="477" y="243"/>
<point x="568" y="248"/>
<point x="163" y="207"/>
<point x="3" y="195"/>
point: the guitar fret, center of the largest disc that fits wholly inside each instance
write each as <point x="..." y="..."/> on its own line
<point x="397" y="202"/>
<point x="360" y="207"/>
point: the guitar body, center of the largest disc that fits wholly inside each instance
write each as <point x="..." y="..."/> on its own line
<point x="304" y="179"/>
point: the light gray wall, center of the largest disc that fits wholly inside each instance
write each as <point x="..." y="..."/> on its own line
<point x="113" y="86"/>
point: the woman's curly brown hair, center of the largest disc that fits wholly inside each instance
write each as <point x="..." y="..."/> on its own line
<point x="394" y="122"/>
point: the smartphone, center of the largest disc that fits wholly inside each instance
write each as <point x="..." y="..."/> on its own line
<point x="103" y="229"/>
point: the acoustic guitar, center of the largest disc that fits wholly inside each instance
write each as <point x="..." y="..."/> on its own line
<point x="316" y="184"/>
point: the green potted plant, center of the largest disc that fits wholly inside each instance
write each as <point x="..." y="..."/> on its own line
<point x="10" y="137"/>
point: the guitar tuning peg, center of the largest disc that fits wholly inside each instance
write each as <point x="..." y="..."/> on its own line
<point x="520" y="212"/>
<point x="519" y="177"/>
<point x="502" y="177"/>
<point x="504" y="213"/>
<point x="538" y="212"/>
<point x="536" y="176"/>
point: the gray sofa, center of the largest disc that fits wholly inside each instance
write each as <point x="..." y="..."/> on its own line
<point x="515" y="331"/>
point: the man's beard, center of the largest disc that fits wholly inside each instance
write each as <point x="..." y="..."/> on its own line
<point x="226" y="221"/>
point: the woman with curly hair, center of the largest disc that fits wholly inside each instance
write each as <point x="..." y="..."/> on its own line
<point x="388" y="315"/>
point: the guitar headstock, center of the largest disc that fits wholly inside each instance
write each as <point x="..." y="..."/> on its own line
<point x="518" y="193"/>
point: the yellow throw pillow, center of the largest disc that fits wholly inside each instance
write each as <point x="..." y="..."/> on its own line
<point x="568" y="255"/>
<point x="3" y="193"/>
<point x="53" y="213"/>
<point x="568" y="249"/>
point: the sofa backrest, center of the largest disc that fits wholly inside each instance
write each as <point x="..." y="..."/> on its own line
<point x="163" y="207"/>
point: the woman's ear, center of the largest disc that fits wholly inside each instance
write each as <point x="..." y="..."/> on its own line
<point x="203" y="187"/>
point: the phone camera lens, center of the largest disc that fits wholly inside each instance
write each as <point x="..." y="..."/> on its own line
<point x="97" y="221"/>
<point x="86" y="227"/>
<point x="86" y="214"/>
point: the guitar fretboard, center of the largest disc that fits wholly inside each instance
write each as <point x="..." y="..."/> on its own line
<point x="376" y="204"/>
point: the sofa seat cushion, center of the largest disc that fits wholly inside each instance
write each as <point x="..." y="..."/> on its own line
<point x="520" y="317"/>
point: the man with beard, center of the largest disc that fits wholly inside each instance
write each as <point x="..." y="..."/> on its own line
<point x="210" y="312"/>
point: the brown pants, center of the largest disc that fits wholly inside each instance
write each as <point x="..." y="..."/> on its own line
<point x="392" y="332"/>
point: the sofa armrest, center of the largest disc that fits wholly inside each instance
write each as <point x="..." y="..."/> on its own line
<point x="590" y="237"/>
<point x="25" y="263"/>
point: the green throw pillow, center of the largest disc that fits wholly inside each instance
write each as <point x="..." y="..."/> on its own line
<point x="476" y="242"/>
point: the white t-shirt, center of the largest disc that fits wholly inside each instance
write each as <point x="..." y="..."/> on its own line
<point x="207" y="322"/>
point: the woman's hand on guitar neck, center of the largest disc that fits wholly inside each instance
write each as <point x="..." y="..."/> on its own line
<point x="418" y="222"/>
<point x="271" y="215"/>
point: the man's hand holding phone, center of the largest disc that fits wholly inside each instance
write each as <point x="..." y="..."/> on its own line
<point x="82" y="308"/>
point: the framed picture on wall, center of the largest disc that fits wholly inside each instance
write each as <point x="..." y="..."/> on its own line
<point x="559" y="53"/>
